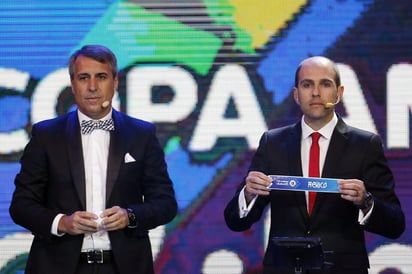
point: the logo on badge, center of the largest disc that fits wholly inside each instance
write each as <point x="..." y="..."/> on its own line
<point x="292" y="183"/>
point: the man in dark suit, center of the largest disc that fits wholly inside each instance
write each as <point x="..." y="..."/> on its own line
<point x="92" y="182"/>
<point x="366" y="200"/>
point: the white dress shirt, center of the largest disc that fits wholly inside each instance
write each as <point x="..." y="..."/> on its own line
<point x="95" y="154"/>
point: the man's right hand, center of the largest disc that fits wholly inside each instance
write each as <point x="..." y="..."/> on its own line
<point x="79" y="222"/>
<point x="257" y="183"/>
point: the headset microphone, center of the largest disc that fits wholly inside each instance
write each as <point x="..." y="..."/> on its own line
<point x="105" y="104"/>
<point x="330" y="105"/>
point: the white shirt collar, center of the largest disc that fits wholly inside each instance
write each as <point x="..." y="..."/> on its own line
<point x="83" y="116"/>
<point x="326" y="130"/>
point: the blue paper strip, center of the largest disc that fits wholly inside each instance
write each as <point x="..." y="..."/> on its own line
<point x="297" y="183"/>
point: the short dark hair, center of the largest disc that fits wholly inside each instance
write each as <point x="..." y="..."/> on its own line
<point x="334" y="67"/>
<point x="99" y="53"/>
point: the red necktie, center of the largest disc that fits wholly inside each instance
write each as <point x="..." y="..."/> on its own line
<point x="313" y="166"/>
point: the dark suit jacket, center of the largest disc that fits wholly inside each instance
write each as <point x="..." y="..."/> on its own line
<point x="352" y="154"/>
<point x="52" y="181"/>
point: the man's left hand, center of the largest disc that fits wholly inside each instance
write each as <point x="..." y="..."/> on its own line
<point x="114" y="218"/>
<point x="352" y="190"/>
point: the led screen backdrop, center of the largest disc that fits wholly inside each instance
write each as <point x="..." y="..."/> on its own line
<point x="213" y="75"/>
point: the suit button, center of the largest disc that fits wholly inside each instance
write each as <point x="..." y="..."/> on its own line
<point x="308" y="233"/>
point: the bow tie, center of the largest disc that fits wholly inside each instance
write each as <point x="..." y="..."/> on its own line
<point x="89" y="125"/>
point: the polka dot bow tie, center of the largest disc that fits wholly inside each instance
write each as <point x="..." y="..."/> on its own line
<point x="90" y="125"/>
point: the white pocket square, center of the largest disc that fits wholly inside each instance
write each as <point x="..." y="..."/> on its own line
<point x="128" y="158"/>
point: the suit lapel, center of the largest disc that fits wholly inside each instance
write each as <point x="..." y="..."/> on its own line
<point x="75" y="152"/>
<point x="293" y="143"/>
<point x="295" y="164"/>
<point x="336" y="148"/>
<point x="117" y="149"/>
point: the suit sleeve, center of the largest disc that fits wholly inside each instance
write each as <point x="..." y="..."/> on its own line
<point x="160" y="205"/>
<point x="231" y="212"/>
<point x="387" y="218"/>
<point x="28" y="205"/>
